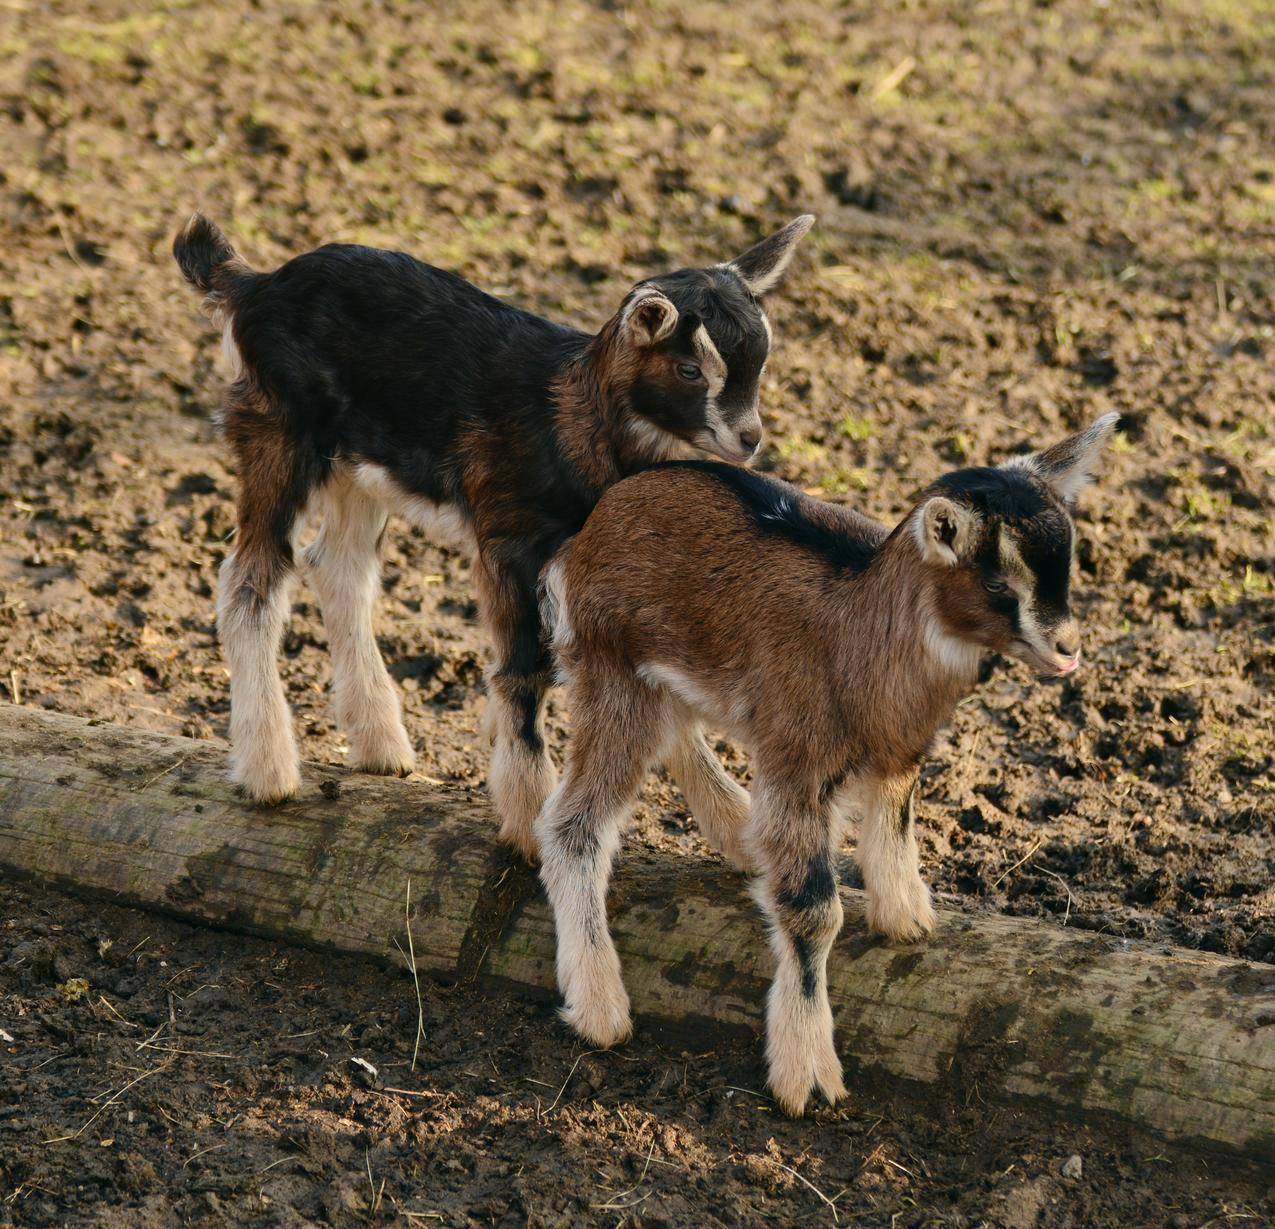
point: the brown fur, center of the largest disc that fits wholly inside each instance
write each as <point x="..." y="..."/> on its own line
<point x="272" y="491"/>
<point x="699" y="609"/>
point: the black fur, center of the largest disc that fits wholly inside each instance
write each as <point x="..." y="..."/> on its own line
<point x="200" y="249"/>
<point x="905" y="812"/>
<point x="360" y="355"/>
<point x="1042" y="530"/>
<point x="775" y="507"/>
<point x="809" y="970"/>
<point x="717" y="299"/>
<point x="818" y="887"/>
<point x="377" y="356"/>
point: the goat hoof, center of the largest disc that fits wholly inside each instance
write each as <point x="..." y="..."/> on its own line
<point x="522" y="840"/>
<point x="738" y="860"/>
<point x="603" y="1020"/>
<point x="378" y="744"/>
<point x="792" y="1088"/>
<point x="267" y="786"/>
<point x="903" y="920"/>
<point x="384" y="761"/>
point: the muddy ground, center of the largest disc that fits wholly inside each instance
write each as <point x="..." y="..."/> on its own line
<point x="1029" y="215"/>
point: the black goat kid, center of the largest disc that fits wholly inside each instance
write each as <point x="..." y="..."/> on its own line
<point x="367" y="382"/>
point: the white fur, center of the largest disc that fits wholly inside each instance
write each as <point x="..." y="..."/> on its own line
<point x="719" y="436"/>
<point x="596" y="1004"/>
<point x="230" y="355"/>
<point x="711" y="362"/>
<point x="926" y="525"/>
<point x="1019" y="577"/>
<point x="554" y="613"/>
<point x="958" y="657"/>
<point x="655" y="442"/>
<point x="446" y="524"/>
<point x="1041" y="651"/>
<point x="518" y="779"/>
<point x="695" y="694"/>
<point x="898" y="898"/>
<point x="264" y="757"/>
<point x="801" y="1053"/>
<point x="347" y="577"/>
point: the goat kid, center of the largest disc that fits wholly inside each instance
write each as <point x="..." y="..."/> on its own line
<point x="367" y="382"/>
<point x="833" y="648"/>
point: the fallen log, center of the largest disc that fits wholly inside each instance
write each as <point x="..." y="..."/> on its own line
<point x="1181" y="1043"/>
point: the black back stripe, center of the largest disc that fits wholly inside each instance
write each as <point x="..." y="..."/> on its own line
<point x="778" y="508"/>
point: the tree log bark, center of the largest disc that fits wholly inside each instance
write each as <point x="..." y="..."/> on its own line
<point x="1181" y="1043"/>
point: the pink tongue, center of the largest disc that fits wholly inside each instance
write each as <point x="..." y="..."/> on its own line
<point x="1070" y="666"/>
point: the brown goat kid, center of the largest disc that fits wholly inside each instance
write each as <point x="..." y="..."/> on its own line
<point x="833" y="649"/>
<point x="367" y="382"/>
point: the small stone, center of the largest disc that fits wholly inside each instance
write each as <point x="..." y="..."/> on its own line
<point x="330" y="789"/>
<point x="1073" y="1166"/>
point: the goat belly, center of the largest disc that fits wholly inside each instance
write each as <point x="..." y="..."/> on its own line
<point x="445" y="523"/>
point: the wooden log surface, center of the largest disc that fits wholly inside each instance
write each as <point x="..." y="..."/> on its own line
<point x="1181" y="1043"/>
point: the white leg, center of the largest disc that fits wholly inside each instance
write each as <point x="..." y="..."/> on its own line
<point x="347" y="577"/>
<point x="253" y="603"/>
<point x="718" y="802"/>
<point x="578" y="842"/>
<point x="618" y="728"/>
<point x="521" y="775"/>
<point x="898" y="899"/>
<point x="797" y="892"/>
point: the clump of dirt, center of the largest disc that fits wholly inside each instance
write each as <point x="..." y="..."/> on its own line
<point x="1026" y="220"/>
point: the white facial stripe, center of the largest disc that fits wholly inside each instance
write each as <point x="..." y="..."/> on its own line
<point x="1020" y="579"/>
<point x="711" y="362"/>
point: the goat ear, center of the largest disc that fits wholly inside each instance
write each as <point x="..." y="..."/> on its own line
<point x="945" y="530"/>
<point x="648" y="318"/>
<point x="761" y="267"/>
<point x="1069" y="467"/>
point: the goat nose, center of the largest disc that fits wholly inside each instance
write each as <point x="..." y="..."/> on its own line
<point x="750" y="437"/>
<point x="1068" y="644"/>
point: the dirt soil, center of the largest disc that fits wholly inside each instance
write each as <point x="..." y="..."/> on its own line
<point x="1028" y="215"/>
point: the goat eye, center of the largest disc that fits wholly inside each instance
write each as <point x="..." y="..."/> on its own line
<point x="688" y="371"/>
<point x="995" y="586"/>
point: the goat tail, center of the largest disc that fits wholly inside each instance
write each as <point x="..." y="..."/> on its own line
<point x="555" y="617"/>
<point x="207" y="259"/>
